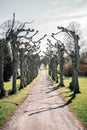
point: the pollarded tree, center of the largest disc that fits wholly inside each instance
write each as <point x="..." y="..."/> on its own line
<point x="28" y="59"/>
<point x="74" y="54"/>
<point x="15" y="34"/>
<point x="48" y="55"/>
<point x="61" y="60"/>
<point x="60" y="57"/>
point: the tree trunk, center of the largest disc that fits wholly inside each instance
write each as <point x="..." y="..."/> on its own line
<point x="61" y="76"/>
<point x="15" y="66"/>
<point x="21" y="69"/>
<point x="71" y="85"/>
<point x="61" y="63"/>
<point x="77" y="59"/>
<point x="28" y="71"/>
<point x="2" y="90"/>
<point x="76" y="83"/>
<point x="21" y="74"/>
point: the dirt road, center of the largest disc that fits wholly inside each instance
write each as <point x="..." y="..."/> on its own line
<point x="43" y="110"/>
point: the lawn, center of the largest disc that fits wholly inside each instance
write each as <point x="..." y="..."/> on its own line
<point x="10" y="103"/>
<point x="79" y="104"/>
<point x="9" y="84"/>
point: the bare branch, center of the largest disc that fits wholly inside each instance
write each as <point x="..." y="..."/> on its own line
<point x="56" y="33"/>
<point x="50" y="43"/>
<point x="40" y="39"/>
<point x="27" y="32"/>
<point x="13" y="21"/>
<point x="69" y="32"/>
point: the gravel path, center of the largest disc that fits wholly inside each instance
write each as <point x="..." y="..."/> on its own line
<point x="43" y="110"/>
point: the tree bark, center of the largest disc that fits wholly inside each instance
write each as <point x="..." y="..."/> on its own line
<point x="77" y="59"/>
<point x="15" y="66"/>
<point x="2" y="90"/>
<point x="21" y="69"/>
<point x="61" y="83"/>
<point x="74" y="85"/>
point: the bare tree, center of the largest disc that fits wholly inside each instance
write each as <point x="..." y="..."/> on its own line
<point x="60" y="57"/>
<point x="26" y="55"/>
<point x="74" y="54"/>
<point x="48" y="55"/>
<point x="13" y="30"/>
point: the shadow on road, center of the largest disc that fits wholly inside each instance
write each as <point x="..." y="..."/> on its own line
<point x="52" y="108"/>
<point x="45" y="110"/>
<point x="52" y="89"/>
<point x="70" y="100"/>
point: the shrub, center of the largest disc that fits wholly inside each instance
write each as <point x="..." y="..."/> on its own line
<point x="68" y="71"/>
<point x="82" y="70"/>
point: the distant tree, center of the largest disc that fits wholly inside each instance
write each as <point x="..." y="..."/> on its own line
<point x="54" y="64"/>
<point x="59" y="46"/>
<point x="48" y="56"/>
<point x="44" y="60"/>
<point x="28" y="55"/>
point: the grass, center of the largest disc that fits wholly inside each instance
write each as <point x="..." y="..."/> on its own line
<point x="9" y="84"/>
<point x="79" y="104"/>
<point x="9" y="104"/>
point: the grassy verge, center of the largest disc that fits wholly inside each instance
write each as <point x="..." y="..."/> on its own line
<point x="9" y="104"/>
<point x="79" y="104"/>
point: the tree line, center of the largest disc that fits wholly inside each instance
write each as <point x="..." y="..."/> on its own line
<point x="58" y="51"/>
<point x="24" y="52"/>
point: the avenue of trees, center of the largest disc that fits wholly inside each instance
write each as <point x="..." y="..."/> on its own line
<point x="18" y="50"/>
<point x="66" y="55"/>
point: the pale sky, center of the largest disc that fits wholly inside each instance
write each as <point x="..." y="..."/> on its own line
<point x="48" y="14"/>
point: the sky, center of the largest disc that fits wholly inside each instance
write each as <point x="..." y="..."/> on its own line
<point x="47" y="14"/>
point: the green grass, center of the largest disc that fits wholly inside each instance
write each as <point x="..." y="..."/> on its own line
<point x="10" y="103"/>
<point x="8" y="85"/>
<point x="79" y="104"/>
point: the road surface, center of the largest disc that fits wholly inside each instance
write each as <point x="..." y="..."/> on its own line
<point x="43" y="109"/>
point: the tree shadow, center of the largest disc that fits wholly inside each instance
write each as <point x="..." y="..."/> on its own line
<point x="52" y="89"/>
<point x="70" y="100"/>
<point x="45" y="110"/>
<point x="53" y="108"/>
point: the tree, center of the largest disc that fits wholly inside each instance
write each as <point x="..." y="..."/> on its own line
<point x="74" y="54"/>
<point x="48" y="55"/>
<point x="29" y="58"/>
<point x="15" y="34"/>
<point x="14" y="31"/>
<point x="54" y="72"/>
<point x="60" y="57"/>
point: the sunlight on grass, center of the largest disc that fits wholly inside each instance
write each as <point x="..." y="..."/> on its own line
<point x="79" y="103"/>
<point x="9" y="104"/>
<point x="8" y="85"/>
